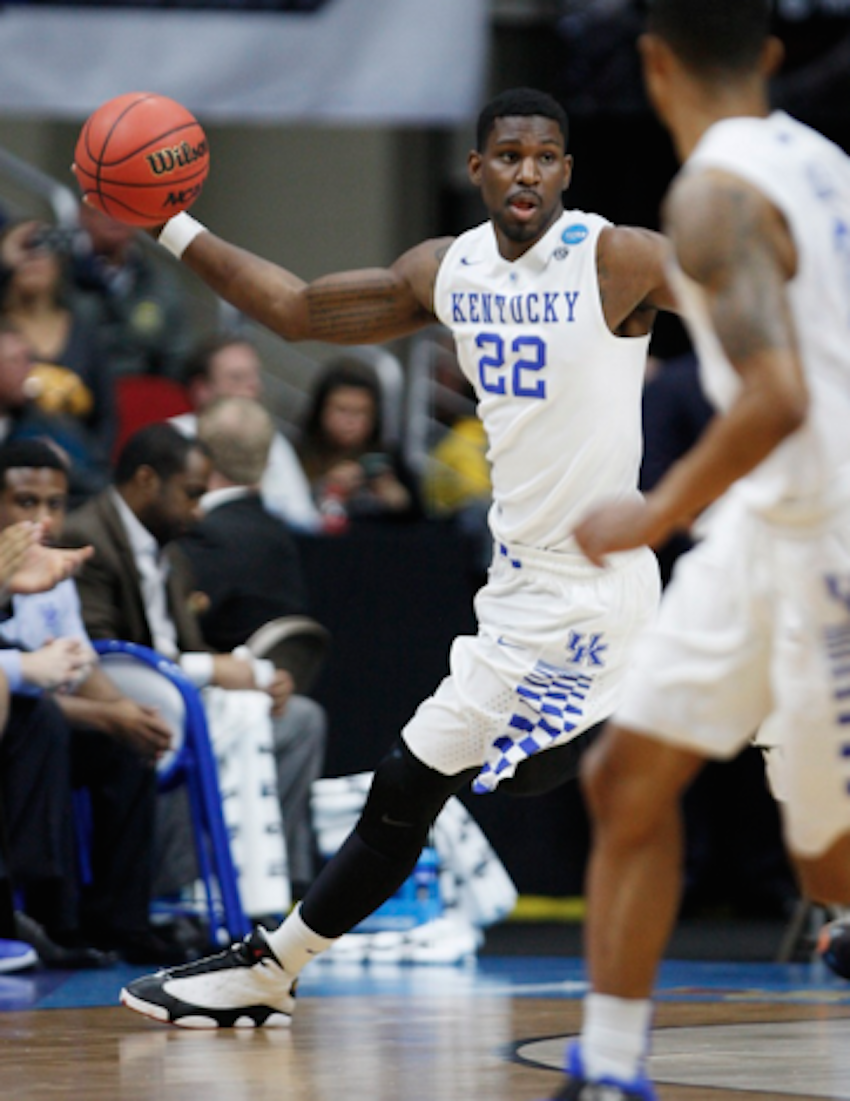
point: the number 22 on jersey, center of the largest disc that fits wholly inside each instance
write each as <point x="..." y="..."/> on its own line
<point x="512" y="368"/>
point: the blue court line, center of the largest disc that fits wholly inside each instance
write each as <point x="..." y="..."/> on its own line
<point x="515" y="976"/>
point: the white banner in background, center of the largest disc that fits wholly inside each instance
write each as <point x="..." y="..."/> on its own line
<point x="404" y="62"/>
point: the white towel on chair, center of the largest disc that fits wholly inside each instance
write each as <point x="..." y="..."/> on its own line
<point x="241" y="733"/>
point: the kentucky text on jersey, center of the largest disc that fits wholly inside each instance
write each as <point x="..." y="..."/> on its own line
<point x="548" y="308"/>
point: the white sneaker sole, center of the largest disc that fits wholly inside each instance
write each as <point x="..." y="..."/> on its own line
<point x="9" y="965"/>
<point x="160" y="1013"/>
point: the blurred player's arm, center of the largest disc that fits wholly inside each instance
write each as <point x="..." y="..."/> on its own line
<point x="736" y="245"/>
<point x="356" y="307"/>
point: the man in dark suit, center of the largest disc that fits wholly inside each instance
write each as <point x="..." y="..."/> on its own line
<point x="245" y="560"/>
<point x="247" y="568"/>
<point x="139" y="586"/>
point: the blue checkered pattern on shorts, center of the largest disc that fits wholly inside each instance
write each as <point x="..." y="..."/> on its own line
<point x="549" y="704"/>
<point x="837" y="639"/>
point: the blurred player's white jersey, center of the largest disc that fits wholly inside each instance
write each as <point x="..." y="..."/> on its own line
<point x="808" y="179"/>
<point x="559" y="394"/>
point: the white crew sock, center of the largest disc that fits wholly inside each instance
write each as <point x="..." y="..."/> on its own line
<point x="295" y="943"/>
<point x="615" y="1036"/>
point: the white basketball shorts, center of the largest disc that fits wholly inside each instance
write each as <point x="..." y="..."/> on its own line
<point x="754" y="632"/>
<point x="555" y="636"/>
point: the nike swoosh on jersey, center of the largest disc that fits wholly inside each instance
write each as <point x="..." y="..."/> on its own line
<point x="469" y="263"/>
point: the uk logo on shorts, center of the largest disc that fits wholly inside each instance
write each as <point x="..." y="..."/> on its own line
<point x="582" y="650"/>
<point x="574" y="234"/>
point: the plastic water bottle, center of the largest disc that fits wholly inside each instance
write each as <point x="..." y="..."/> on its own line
<point x="426" y="880"/>
<point x="333" y="512"/>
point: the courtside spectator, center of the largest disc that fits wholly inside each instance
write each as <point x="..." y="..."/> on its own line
<point x="227" y="366"/>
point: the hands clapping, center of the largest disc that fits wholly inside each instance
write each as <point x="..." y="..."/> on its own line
<point x="27" y="566"/>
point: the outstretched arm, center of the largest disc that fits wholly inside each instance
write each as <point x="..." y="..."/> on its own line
<point x="736" y="245"/>
<point x="356" y="307"/>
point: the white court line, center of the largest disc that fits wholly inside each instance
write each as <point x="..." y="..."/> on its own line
<point x="789" y="1058"/>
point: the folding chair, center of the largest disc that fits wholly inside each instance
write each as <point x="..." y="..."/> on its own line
<point x="149" y="678"/>
<point x="296" y="643"/>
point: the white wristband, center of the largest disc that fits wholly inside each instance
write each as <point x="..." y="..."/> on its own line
<point x="264" y="672"/>
<point x="198" y="668"/>
<point x="179" y="232"/>
<point x="263" y="669"/>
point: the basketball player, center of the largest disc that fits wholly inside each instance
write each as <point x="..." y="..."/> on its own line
<point x="754" y="628"/>
<point x="551" y="311"/>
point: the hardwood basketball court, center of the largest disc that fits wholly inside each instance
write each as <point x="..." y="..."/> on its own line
<point x="492" y="1029"/>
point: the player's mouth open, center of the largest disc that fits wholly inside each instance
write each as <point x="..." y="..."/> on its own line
<point x="523" y="206"/>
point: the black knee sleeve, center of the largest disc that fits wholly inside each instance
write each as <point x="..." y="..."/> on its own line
<point x="405" y="798"/>
<point x="380" y="854"/>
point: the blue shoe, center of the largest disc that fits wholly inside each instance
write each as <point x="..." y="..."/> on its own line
<point x="833" y="946"/>
<point x="580" y="1088"/>
<point x="16" y="956"/>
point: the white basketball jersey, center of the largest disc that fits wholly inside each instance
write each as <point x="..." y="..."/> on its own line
<point x="558" y="393"/>
<point x="808" y="179"/>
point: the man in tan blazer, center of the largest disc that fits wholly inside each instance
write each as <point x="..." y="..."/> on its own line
<point x="114" y="605"/>
<point x="138" y="587"/>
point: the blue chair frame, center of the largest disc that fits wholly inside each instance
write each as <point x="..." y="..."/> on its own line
<point x="194" y="764"/>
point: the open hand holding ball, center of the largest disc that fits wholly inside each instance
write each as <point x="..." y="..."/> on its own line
<point x="141" y="158"/>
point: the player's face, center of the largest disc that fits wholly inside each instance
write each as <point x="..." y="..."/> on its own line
<point x="522" y="173"/>
<point x="39" y="494"/>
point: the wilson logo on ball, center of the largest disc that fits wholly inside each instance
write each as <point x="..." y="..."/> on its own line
<point x="168" y="160"/>
<point x="141" y="158"/>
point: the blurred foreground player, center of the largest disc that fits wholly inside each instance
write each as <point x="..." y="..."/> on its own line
<point x="754" y="627"/>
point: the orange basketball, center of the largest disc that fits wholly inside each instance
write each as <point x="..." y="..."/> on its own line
<point x="141" y="158"/>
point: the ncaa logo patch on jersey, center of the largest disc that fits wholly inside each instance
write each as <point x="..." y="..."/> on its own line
<point x="574" y="234"/>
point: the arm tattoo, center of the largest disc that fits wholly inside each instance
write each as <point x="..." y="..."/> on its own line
<point x="734" y="255"/>
<point x="340" y="310"/>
